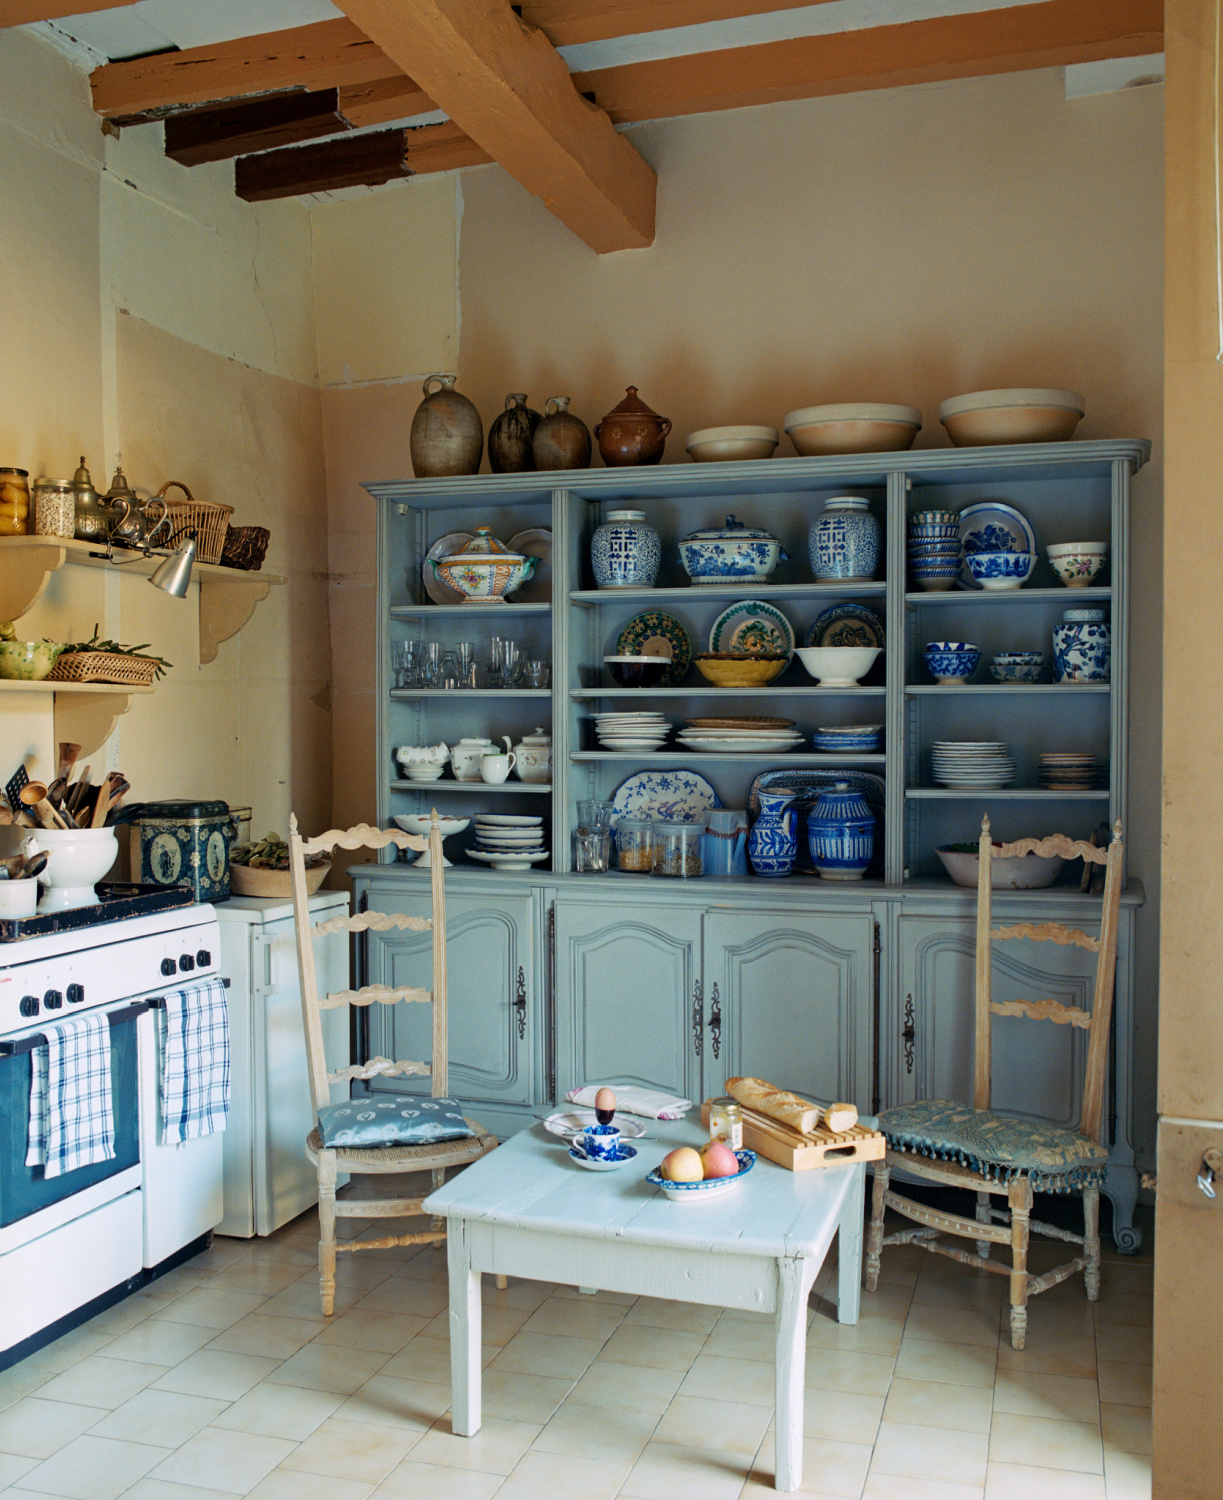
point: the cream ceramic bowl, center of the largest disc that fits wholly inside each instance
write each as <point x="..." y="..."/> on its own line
<point x="28" y="661"/>
<point x="1024" y="872"/>
<point x="725" y="444"/>
<point x="852" y="427"/>
<point x="1077" y="563"/>
<point x="1020" y="415"/>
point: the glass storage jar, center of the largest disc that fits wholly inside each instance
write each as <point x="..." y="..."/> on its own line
<point x="634" y="845"/>
<point x="54" y="507"/>
<point x="726" y="1122"/>
<point x="677" y="850"/>
<point x="14" y="502"/>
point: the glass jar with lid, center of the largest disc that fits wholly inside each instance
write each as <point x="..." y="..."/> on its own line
<point x="634" y="845"/>
<point x="676" y="851"/>
<point x="54" y="507"/>
<point x="14" y="501"/>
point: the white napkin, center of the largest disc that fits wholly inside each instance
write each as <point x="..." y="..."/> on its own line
<point x="633" y="1101"/>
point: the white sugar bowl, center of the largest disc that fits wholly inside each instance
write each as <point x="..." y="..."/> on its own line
<point x="422" y="762"/>
<point x="533" y="757"/>
<point x="465" y="757"/>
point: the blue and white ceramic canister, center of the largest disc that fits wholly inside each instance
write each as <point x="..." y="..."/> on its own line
<point x="625" y="551"/>
<point x="1082" y="647"/>
<point x="844" y="540"/>
<point x="841" y="833"/>
<point x="772" y="845"/>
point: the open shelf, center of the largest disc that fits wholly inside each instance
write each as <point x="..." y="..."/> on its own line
<point x="745" y="589"/>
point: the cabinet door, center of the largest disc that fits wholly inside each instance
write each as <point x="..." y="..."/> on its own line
<point x="626" y="986"/>
<point x="490" y="986"/>
<point x="794" y="992"/>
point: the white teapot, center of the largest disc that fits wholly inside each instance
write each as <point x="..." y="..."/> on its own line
<point x="533" y="757"/>
<point x="465" y="757"/>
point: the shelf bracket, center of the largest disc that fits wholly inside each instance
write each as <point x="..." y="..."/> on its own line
<point x="26" y="574"/>
<point x="225" y="607"/>
<point x="89" y="719"/>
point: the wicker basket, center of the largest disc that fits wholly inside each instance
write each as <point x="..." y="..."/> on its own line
<point x="207" y="518"/>
<point x="245" y="881"/>
<point x="245" y="547"/>
<point x="104" y="666"/>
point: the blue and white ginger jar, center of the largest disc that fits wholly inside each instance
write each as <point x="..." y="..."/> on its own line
<point x="1082" y="647"/>
<point x="772" y="845"/>
<point x="841" y="833"/>
<point x="843" y="542"/>
<point x="625" y="551"/>
<point x="735" y="551"/>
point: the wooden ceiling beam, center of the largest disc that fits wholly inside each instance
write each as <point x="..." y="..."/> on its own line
<point x="24" y="12"/>
<point x="383" y="101"/>
<point x="203" y="135"/>
<point x="503" y="83"/>
<point x="567" y="23"/>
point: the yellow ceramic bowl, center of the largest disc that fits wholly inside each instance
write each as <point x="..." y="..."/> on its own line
<point x="726" y="669"/>
<point x="28" y="661"/>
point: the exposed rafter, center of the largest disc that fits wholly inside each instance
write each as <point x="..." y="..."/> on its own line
<point x="202" y="135"/>
<point x="568" y="22"/>
<point x="23" y="12"/>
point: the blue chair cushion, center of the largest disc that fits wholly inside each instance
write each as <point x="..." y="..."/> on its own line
<point x="392" y="1120"/>
<point x="995" y="1146"/>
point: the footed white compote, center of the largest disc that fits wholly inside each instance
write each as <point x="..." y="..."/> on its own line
<point x="421" y="823"/>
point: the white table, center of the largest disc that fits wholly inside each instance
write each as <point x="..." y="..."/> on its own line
<point x="527" y="1210"/>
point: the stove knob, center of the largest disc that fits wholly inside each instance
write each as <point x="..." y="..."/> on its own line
<point x="186" y="963"/>
<point x="168" y="967"/>
<point x="76" y="993"/>
<point x="29" y="1005"/>
<point x="204" y="958"/>
<point x="53" y="1000"/>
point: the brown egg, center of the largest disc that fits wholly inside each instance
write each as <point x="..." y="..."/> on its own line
<point x="605" y="1099"/>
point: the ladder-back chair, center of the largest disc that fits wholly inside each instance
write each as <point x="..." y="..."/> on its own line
<point x="381" y="1122"/>
<point x="949" y="1144"/>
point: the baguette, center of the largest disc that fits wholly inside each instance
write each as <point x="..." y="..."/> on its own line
<point x="778" y="1104"/>
<point x="839" y="1117"/>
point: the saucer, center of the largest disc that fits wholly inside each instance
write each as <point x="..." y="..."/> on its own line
<point x="624" y="1155"/>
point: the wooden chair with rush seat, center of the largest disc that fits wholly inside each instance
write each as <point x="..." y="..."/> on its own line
<point x="378" y="1136"/>
<point x="952" y="1145"/>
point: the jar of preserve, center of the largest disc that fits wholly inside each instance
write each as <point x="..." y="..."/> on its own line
<point x="14" y="502"/>
<point x="54" y="507"/>
<point x="726" y="1122"/>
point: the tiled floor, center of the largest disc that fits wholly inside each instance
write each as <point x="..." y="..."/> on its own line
<point x="223" y="1379"/>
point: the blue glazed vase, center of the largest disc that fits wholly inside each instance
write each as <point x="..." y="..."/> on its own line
<point x="625" y="551"/>
<point x="1082" y="647"/>
<point x="841" y="833"/>
<point x="844" y="540"/>
<point x="772" y="845"/>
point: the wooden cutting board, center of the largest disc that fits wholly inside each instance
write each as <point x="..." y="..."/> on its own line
<point x="803" y="1152"/>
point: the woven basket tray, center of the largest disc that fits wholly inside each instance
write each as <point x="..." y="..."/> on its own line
<point x="104" y="666"/>
<point x="207" y="518"/>
<point x="245" y="547"/>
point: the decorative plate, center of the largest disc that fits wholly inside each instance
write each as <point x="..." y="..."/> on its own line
<point x="517" y="859"/>
<point x="742" y="721"/>
<point x="673" y="796"/>
<point x="755" y="627"/>
<point x="510" y="820"/>
<point x="536" y="541"/>
<point x="991" y="526"/>
<point x="439" y="592"/>
<point x="733" y="745"/>
<point x="624" y="1155"/>
<point x="657" y="634"/>
<point x="702" y="1192"/>
<point x="567" y="1122"/>
<point x="847" y="625"/>
<point x="806" y="786"/>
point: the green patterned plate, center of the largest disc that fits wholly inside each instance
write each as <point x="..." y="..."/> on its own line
<point x="656" y="634"/>
<point x="752" y="626"/>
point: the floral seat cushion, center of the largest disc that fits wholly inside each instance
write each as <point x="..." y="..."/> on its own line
<point x="1057" y="1161"/>
<point x="392" y="1120"/>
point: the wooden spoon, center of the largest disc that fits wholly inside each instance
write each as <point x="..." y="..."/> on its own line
<point x="68" y="753"/>
<point x="34" y="796"/>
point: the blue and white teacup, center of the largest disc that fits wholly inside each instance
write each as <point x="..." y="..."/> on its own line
<point x="598" y="1142"/>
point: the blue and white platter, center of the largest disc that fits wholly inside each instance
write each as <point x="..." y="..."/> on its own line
<point x="702" y="1192"/>
<point x="752" y="626"/>
<point x="671" y="796"/>
<point x="624" y="1155"/>
<point x="991" y="526"/>
<point x="847" y="625"/>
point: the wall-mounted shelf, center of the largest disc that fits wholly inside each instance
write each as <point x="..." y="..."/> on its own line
<point x="85" y="712"/>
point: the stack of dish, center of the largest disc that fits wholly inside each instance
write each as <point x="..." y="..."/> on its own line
<point x="1069" y="771"/>
<point x="934" y="549"/>
<point x="848" y="739"/>
<point x="629" y="731"/>
<point x="972" y="765"/>
<point x="508" y="841"/>
<point x="740" y="736"/>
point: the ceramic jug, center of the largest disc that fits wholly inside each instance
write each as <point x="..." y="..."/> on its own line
<point x="561" y="441"/>
<point x="509" y="438"/>
<point x="841" y="833"/>
<point x="631" y="433"/>
<point x="447" y="435"/>
<point x="725" y="842"/>
<point x="773" y="842"/>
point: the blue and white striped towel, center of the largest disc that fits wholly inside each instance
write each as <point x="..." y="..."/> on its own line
<point x="194" y="1043"/>
<point x="72" y="1120"/>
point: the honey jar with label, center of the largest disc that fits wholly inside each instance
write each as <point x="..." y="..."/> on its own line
<point x="726" y="1122"/>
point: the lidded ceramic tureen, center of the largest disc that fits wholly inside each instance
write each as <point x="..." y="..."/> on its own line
<point x="485" y="571"/>
<point x="733" y="551"/>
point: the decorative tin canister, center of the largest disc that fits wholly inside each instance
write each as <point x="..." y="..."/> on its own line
<point x="1082" y="647"/>
<point x="186" y="843"/>
<point x="844" y="540"/>
<point x="841" y="833"/>
<point x="625" y="551"/>
<point x="772" y="845"/>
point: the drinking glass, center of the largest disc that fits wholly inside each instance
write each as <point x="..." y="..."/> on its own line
<point x="450" y="677"/>
<point x="431" y="671"/>
<point x="511" y="662"/>
<point x="496" y="665"/>
<point x="591" y="850"/>
<point x="536" y="674"/>
<point x="465" y="661"/>
<point x="411" y="671"/>
<point x="399" y="662"/>
<point x="594" y="816"/>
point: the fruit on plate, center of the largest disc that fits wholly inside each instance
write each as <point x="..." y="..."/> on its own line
<point x="718" y="1160"/>
<point x="682" y="1165"/>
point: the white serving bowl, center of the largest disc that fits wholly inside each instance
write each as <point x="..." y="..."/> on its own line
<point x="77" y="858"/>
<point x="725" y="444"/>
<point x="1021" y="414"/>
<point x="837" y="666"/>
<point x="852" y="427"/>
<point x="1024" y="872"/>
<point x="420" y="823"/>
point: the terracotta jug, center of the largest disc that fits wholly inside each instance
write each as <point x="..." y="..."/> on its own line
<point x="561" y="441"/>
<point x="447" y="434"/>
<point x="509" y="438"/>
<point x="631" y="433"/>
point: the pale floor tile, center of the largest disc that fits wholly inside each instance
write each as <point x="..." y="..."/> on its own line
<point x="1125" y="1429"/>
<point x="21" y="1380"/>
<point x="844" y="1370"/>
<point x="901" y="1487"/>
<point x="495" y="1449"/>
<point x="352" y="1450"/>
<point x="1125" y="1345"/>
<point x="1127" y="1476"/>
<point x="428" y="1359"/>
<point x="1047" y="1318"/>
<point x="398" y="1294"/>
<point x="725" y="1426"/>
<point x="522" y="1398"/>
<point x="215" y="1459"/>
<point x="921" y="1403"/>
<point x="539" y="1474"/>
<point x="12" y="1468"/>
<point x="942" y="1291"/>
<point x="713" y="1376"/>
<point x="385" y="1401"/>
<point x="214" y="1372"/>
<point x="324" y="1367"/>
<point x="33" y="1428"/>
<point x="301" y="1300"/>
<point x="1050" y="1355"/>
<point x="61" y="1355"/>
<point x="831" y="1413"/>
<point x="750" y="1337"/>
<point x="153" y="1342"/>
<point x="119" y="1318"/>
<point x="1124" y="1311"/>
<point x="225" y="1250"/>
<point x="682" y="1317"/>
<point x="1024" y="1482"/>
<point x="412" y="1481"/>
<point x="163" y="1489"/>
<point x="92" y="1468"/>
<point x="886" y="1301"/>
<point x="596" y="1432"/>
<point x="953" y="1325"/>
<point x="1046" y="1442"/>
<point x="870" y="1336"/>
<point x="282" y="1411"/>
<point x="498" y="1325"/>
<point x="162" y="1418"/>
<point x="928" y="1453"/>
<point x="666" y="1472"/>
<point x="174" y="1283"/>
<point x="957" y="1364"/>
<point x="829" y="1467"/>
<point x="547" y="1354"/>
<point x="256" y="1278"/>
<point x="1059" y="1396"/>
<point x="1121" y="1384"/>
<point x="575" y="1319"/>
<point x="208" y="1308"/>
<point x="275" y="1338"/>
<point x="624" y="1387"/>
<point x="367" y="1269"/>
<point x="95" y="1381"/>
<point x="286" y="1484"/>
<point x="527" y="1295"/>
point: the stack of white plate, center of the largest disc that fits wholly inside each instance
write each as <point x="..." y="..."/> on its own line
<point x="631" y="731"/>
<point x="508" y="841"/>
<point x="972" y="765"/>
<point x="750" y="739"/>
<point x="1069" y="771"/>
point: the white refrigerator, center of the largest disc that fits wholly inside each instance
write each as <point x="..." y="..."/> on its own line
<point x="268" y="1180"/>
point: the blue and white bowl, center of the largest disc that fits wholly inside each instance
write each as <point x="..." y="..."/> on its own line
<point x="1000" y="570"/>
<point x="1017" y="666"/>
<point x="951" y="661"/>
<point x="702" y="1192"/>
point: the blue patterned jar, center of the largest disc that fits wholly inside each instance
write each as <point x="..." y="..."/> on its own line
<point x="844" y="540"/>
<point x="841" y="833"/>
<point x="1082" y="647"/>
<point x="625" y="551"/>
<point x="772" y="845"/>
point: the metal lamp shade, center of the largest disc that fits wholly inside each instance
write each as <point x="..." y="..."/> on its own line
<point x="173" y="576"/>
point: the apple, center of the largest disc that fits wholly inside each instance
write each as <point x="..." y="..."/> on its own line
<point x="718" y="1160"/>
<point x="682" y="1165"/>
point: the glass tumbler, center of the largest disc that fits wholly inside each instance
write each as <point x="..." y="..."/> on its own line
<point x="511" y="662"/>
<point x="536" y="674"/>
<point x="465" y="661"/>
<point x="591" y="850"/>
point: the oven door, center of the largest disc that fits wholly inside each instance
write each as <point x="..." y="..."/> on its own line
<point x="25" y="1190"/>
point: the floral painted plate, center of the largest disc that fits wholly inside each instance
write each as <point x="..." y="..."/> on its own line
<point x="991" y="526"/>
<point x="673" y="796"/>
<point x="657" y="634"/>
<point x="805" y="786"/>
<point x="439" y="592"/>
<point x="536" y="541"/>
<point x="847" y="625"/>
<point x="752" y="626"/>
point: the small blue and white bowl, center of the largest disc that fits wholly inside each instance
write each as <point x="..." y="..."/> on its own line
<point x="1000" y="570"/>
<point x="1017" y="666"/>
<point x="702" y="1192"/>
<point x="951" y="661"/>
<point x="857" y="739"/>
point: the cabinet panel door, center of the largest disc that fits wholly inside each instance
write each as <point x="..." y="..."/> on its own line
<point x="1037" y="1067"/>
<point x="795" y="995"/>
<point x="626" y="980"/>
<point x="490" y="985"/>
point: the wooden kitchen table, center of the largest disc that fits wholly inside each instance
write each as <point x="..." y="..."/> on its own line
<point x="527" y="1210"/>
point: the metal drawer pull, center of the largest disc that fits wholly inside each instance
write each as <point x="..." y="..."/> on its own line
<point x="520" y="1004"/>
<point x="715" y="1021"/>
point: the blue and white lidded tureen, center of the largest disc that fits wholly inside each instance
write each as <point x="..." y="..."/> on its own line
<point x="734" y="551"/>
<point x="1082" y="647"/>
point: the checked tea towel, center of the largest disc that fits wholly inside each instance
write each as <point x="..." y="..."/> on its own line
<point x="72" y="1120"/>
<point x="193" y="1033"/>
